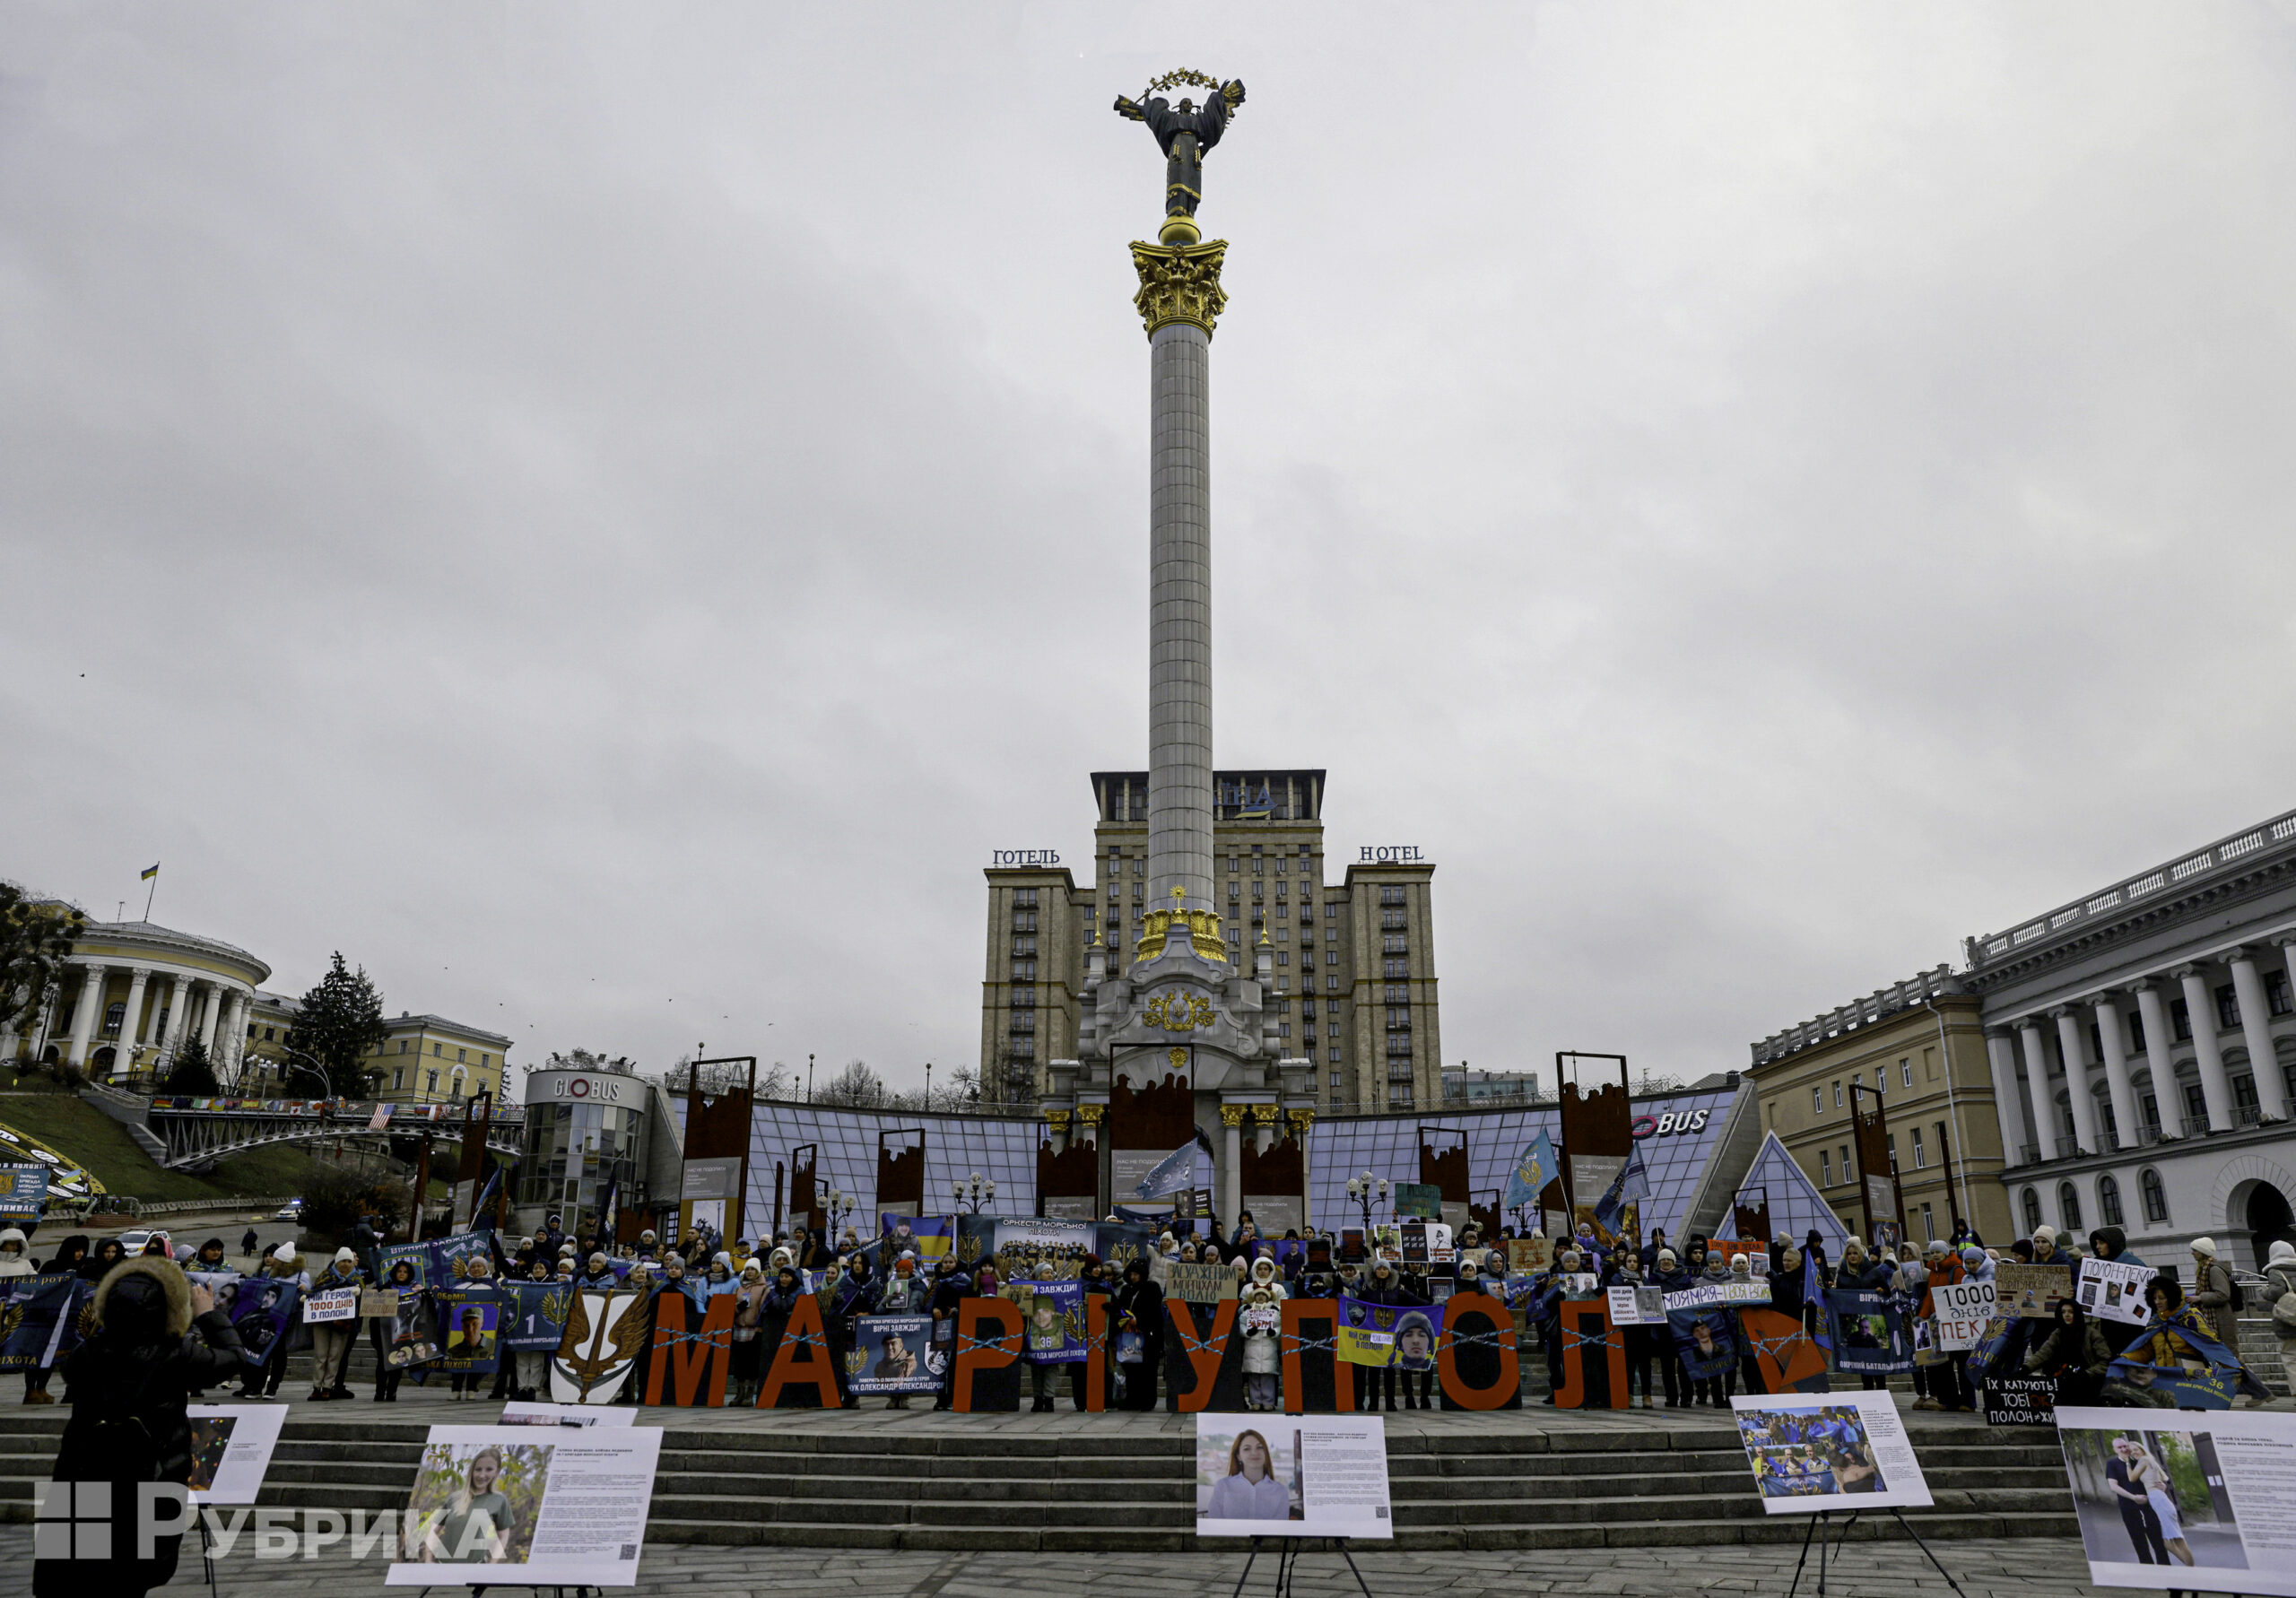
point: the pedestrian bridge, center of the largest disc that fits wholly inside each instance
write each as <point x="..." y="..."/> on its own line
<point x="187" y="1134"/>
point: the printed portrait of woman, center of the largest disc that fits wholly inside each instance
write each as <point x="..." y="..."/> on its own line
<point x="479" y="1520"/>
<point x="1249" y="1491"/>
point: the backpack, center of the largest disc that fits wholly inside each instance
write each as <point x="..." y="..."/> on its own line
<point x="2234" y="1298"/>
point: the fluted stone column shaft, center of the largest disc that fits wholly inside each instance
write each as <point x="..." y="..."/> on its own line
<point x="179" y="1017"/>
<point x="2008" y="1101"/>
<point x="2215" y="1082"/>
<point x="210" y="1018"/>
<point x="2029" y="1034"/>
<point x="1231" y="1176"/>
<point x="2075" y="1050"/>
<point x="131" y="1023"/>
<point x="1179" y="625"/>
<point x="2256" y="1032"/>
<point x="87" y="1012"/>
<point x="2125" y="1121"/>
<point x="2167" y="1100"/>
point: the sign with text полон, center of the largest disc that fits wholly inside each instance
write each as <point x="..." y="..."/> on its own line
<point x="2019" y="1400"/>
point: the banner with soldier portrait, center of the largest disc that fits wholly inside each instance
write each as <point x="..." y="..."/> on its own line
<point x="1052" y="1321"/>
<point x="1021" y="1245"/>
<point x="889" y="1355"/>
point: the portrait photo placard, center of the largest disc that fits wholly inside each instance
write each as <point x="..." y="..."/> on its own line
<point x="497" y="1505"/>
<point x="1277" y="1475"/>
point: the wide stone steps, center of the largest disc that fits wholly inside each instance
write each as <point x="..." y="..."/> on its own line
<point x="1075" y="1490"/>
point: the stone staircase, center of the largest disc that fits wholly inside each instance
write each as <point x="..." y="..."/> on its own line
<point x="1016" y="1489"/>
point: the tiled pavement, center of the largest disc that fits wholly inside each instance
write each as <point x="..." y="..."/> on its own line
<point x="2031" y="1567"/>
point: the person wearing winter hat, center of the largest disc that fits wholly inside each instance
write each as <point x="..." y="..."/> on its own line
<point x="2280" y="1300"/>
<point x="210" y="1256"/>
<point x="2213" y="1293"/>
<point x="15" y="1260"/>
<point x="331" y="1339"/>
<point x="159" y="1338"/>
<point x="1261" y="1325"/>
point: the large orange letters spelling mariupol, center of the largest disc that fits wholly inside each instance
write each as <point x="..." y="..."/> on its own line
<point x="687" y="1365"/>
<point x="988" y="1338"/>
<point x="803" y="1359"/>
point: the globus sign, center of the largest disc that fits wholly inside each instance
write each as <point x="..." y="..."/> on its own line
<point x="581" y="1087"/>
<point x="1670" y="1126"/>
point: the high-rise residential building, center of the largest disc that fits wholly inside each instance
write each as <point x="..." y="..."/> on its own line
<point x="1354" y="963"/>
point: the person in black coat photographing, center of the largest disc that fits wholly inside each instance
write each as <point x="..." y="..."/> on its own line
<point x="159" y="1338"/>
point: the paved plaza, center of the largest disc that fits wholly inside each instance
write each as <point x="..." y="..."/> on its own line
<point x="2029" y="1567"/>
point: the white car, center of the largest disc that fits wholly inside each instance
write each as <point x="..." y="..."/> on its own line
<point x="135" y="1242"/>
<point x="292" y="1210"/>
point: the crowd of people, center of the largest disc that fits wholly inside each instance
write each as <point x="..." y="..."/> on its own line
<point x="850" y="1280"/>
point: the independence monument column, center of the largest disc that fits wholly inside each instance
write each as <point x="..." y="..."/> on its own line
<point x="1180" y="301"/>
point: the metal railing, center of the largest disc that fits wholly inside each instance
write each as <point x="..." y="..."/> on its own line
<point x="2217" y="857"/>
<point x="1878" y="1005"/>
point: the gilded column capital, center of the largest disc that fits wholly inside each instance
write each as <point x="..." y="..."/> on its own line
<point x="1232" y="1115"/>
<point x="1057" y="1117"/>
<point x="1301" y="1119"/>
<point x="1091" y="1113"/>
<point x="1266" y="1113"/>
<point x="1179" y="284"/>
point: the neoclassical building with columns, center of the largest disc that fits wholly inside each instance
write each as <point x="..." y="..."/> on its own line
<point x="134" y="992"/>
<point x="2142" y="1040"/>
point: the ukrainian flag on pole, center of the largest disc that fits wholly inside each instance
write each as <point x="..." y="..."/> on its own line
<point x="150" y="871"/>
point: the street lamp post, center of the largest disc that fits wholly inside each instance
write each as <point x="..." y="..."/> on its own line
<point x="809" y="1078"/>
<point x="1362" y="1189"/>
<point x="840" y="1206"/>
<point x="981" y="1195"/>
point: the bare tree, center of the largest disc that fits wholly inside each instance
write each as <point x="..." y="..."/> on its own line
<point x="857" y="1086"/>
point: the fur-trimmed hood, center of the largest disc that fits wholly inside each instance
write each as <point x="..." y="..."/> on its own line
<point x="172" y="1281"/>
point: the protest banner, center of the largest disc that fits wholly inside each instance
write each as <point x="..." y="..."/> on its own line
<point x="1637" y="1306"/>
<point x="2163" y="1499"/>
<point x="2015" y="1398"/>
<point x="231" y="1449"/>
<point x="1021" y="1245"/>
<point x="1204" y="1359"/>
<point x="40" y="1318"/>
<point x="23" y="1191"/>
<point x="568" y="1414"/>
<point x="1869" y="1336"/>
<point x="1199" y="1284"/>
<point x="537" y="1317"/>
<point x="2031" y="1292"/>
<point x="451" y="1258"/>
<point x="1530" y="1255"/>
<point x="376" y="1304"/>
<point x="1787" y="1359"/>
<point x="1734" y="1294"/>
<point x="888" y="1355"/>
<point x="1844" y="1451"/>
<point x="1962" y="1310"/>
<point x="606" y="1333"/>
<point x="928" y="1236"/>
<point x="1298" y="1476"/>
<point x="261" y="1313"/>
<point x="1367" y="1331"/>
<point x="331" y="1305"/>
<point x="1053" y="1314"/>
<point x="2113" y="1291"/>
<point x="1705" y="1339"/>
<point x="1422" y="1201"/>
<point x="1476" y="1366"/>
<point x="413" y="1336"/>
<point x="509" y="1504"/>
<point x="2175" y="1364"/>
<point x="693" y="1352"/>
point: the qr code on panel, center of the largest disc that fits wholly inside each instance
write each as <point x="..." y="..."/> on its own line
<point x="1382" y="1512"/>
<point x="629" y="1550"/>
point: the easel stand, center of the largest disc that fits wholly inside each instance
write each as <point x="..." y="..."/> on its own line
<point x="206" y="1548"/>
<point x="1286" y="1561"/>
<point x="1817" y="1530"/>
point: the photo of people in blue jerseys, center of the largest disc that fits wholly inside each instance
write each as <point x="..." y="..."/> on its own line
<point x="1821" y="1451"/>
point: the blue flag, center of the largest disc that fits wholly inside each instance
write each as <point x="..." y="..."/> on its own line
<point x="1535" y="1168"/>
<point x="2152" y="1373"/>
<point x="1630" y="1184"/>
<point x="1175" y="1173"/>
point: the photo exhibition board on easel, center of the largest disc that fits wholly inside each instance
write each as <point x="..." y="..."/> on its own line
<point x="2191" y="1500"/>
<point x="231" y="1449"/>
<point x="1277" y="1475"/>
<point x="1835" y="1451"/>
<point x="528" y="1506"/>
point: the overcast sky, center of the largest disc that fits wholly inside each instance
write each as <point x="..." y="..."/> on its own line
<point x="608" y="515"/>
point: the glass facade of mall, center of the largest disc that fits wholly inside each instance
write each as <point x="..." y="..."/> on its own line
<point x="1693" y="1173"/>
